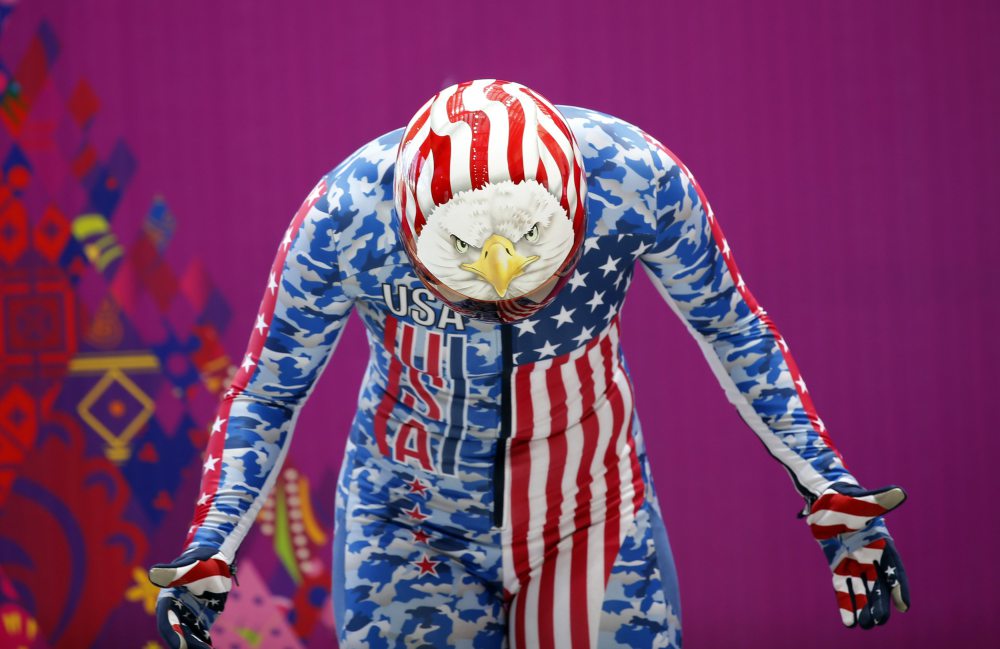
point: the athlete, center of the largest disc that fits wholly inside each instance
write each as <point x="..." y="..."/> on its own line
<point x="495" y="490"/>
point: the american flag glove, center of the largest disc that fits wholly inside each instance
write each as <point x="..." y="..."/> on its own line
<point x="194" y="590"/>
<point x="867" y="571"/>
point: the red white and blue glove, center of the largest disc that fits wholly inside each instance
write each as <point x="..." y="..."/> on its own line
<point x="194" y="590"/>
<point x="867" y="571"/>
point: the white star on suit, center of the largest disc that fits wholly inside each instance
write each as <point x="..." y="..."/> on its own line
<point x="596" y="301"/>
<point x="643" y="247"/>
<point x="210" y="463"/>
<point x="548" y="349"/>
<point x="563" y="316"/>
<point x="610" y="266"/>
<point x="577" y="281"/>
<point x="217" y="426"/>
<point x="584" y="336"/>
<point x="248" y="362"/>
<point x="802" y="384"/>
<point x="590" y="244"/>
<point x="316" y="192"/>
<point x="261" y="325"/>
<point x="271" y="283"/>
<point x="525" y="326"/>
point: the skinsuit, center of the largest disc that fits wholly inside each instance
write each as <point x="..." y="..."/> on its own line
<point x="495" y="489"/>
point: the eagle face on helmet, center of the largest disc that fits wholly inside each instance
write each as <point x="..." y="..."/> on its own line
<point x="489" y="193"/>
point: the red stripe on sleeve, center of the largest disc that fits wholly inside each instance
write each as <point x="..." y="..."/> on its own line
<point x="212" y="475"/>
<point x="744" y="291"/>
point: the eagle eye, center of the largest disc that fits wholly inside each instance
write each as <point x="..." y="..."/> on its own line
<point x="460" y="245"/>
<point x="532" y="235"/>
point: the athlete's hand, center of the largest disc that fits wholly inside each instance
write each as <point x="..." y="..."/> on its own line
<point x="867" y="572"/>
<point x="194" y="591"/>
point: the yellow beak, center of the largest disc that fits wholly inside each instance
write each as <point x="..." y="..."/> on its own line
<point x="499" y="263"/>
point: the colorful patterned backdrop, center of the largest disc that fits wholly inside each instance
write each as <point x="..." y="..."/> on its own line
<point x="112" y="362"/>
<point x="151" y="155"/>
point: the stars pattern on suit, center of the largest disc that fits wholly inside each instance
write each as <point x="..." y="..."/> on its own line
<point x="594" y="291"/>
<point x="426" y="566"/>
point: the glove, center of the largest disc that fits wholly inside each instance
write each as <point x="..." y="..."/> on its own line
<point x="867" y="572"/>
<point x="194" y="590"/>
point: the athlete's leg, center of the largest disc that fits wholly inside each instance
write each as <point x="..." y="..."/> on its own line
<point x="400" y="580"/>
<point x="566" y="601"/>
<point x="575" y="518"/>
<point x="564" y="540"/>
<point x="641" y="602"/>
<point x="642" y="605"/>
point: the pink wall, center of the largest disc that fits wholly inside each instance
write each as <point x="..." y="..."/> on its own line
<point x="849" y="150"/>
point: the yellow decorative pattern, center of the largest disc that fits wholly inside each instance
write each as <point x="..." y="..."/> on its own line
<point x="143" y="591"/>
<point x="103" y="247"/>
<point x="99" y="363"/>
<point x="19" y="624"/>
<point x="313" y="529"/>
<point x="118" y="444"/>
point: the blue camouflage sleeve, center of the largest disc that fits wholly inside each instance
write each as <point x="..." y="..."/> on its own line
<point x="301" y="316"/>
<point x="692" y="266"/>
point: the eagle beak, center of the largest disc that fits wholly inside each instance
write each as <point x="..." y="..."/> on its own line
<point x="499" y="263"/>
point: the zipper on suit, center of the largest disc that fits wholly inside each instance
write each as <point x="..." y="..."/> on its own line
<point x="500" y="460"/>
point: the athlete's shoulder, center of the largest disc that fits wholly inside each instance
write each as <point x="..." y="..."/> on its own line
<point x="610" y="143"/>
<point x="363" y="179"/>
<point x="356" y="204"/>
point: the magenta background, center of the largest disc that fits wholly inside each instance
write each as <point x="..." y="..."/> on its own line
<point x="849" y="150"/>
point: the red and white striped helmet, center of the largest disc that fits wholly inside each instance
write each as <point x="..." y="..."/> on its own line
<point x="490" y="167"/>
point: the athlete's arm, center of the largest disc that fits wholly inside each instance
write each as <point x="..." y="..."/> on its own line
<point x="692" y="265"/>
<point x="295" y="329"/>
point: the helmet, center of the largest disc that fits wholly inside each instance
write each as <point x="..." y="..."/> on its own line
<point x="490" y="199"/>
